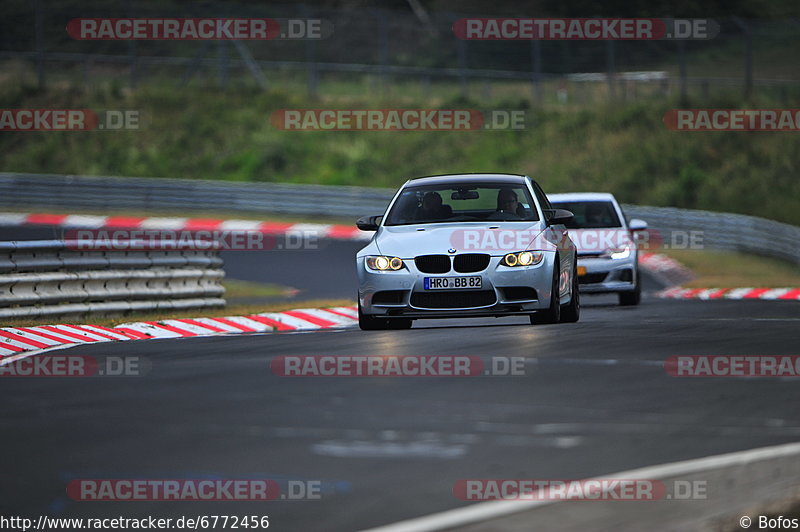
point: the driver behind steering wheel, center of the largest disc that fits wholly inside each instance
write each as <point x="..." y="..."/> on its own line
<point x="507" y="203"/>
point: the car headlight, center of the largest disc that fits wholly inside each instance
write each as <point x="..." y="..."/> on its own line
<point x="522" y="258"/>
<point x="382" y="263"/>
<point x="623" y="253"/>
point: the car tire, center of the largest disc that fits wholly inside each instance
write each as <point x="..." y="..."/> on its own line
<point x="571" y="312"/>
<point x="371" y="323"/>
<point x="629" y="299"/>
<point x="553" y="313"/>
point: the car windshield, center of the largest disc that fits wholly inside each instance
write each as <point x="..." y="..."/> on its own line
<point x="589" y="214"/>
<point x="456" y="202"/>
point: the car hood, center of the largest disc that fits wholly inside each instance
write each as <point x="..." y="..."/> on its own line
<point x="407" y="241"/>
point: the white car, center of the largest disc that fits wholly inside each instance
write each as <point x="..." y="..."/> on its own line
<point x="467" y="245"/>
<point x="607" y="254"/>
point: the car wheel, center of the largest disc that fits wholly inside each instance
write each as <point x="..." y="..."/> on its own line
<point x="572" y="311"/>
<point x="627" y="299"/>
<point x="370" y="323"/>
<point x="553" y="313"/>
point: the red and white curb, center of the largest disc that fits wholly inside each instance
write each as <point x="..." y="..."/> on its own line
<point x="675" y="273"/>
<point x="786" y="294"/>
<point x="31" y="340"/>
<point x="85" y="221"/>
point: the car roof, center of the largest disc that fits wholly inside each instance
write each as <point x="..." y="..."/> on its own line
<point x="466" y="178"/>
<point x="582" y="196"/>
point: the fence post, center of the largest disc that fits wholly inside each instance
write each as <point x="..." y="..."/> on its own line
<point x="426" y="86"/>
<point x="132" y="52"/>
<point x="536" y="64"/>
<point x="312" y="74"/>
<point x="682" y="68"/>
<point x="610" y="68"/>
<point x="196" y="63"/>
<point x="748" y="60"/>
<point x="747" y="30"/>
<point x="85" y="64"/>
<point x="222" y="63"/>
<point x="39" y="36"/>
<point x="383" y="39"/>
<point x="486" y="91"/>
<point x="462" y="67"/>
<point x="132" y="61"/>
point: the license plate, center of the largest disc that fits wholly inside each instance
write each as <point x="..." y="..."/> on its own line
<point x="452" y="283"/>
<point x="581" y="270"/>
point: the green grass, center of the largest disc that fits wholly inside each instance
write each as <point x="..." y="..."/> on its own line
<point x="238" y="289"/>
<point x="622" y="148"/>
<point x="718" y="269"/>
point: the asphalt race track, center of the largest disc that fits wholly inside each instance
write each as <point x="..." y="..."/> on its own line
<point x="594" y="399"/>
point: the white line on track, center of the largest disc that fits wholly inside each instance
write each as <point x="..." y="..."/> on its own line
<point x="485" y="511"/>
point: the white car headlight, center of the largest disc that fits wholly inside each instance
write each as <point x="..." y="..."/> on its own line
<point x="382" y="263"/>
<point x="623" y="253"/>
<point x="522" y="258"/>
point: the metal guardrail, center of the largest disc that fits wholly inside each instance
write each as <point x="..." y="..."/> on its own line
<point x="129" y="193"/>
<point x="53" y="277"/>
<point x="724" y="231"/>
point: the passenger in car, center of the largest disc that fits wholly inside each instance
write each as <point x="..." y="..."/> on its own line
<point x="507" y="202"/>
<point x="432" y="208"/>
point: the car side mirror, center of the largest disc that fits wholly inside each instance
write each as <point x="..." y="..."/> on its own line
<point x="637" y="225"/>
<point x="369" y="223"/>
<point x="560" y="216"/>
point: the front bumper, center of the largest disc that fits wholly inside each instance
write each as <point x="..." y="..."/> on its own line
<point x="607" y="275"/>
<point x="505" y="291"/>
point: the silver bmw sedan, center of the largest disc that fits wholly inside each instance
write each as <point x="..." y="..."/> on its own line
<point x="467" y="245"/>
